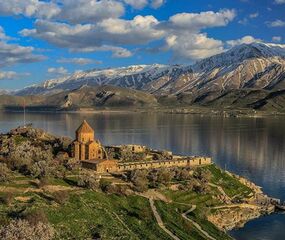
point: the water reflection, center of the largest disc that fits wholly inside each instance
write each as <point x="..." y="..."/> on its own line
<point x="253" y="148"/>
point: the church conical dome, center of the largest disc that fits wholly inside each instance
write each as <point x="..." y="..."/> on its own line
<point x="85" y="128"/>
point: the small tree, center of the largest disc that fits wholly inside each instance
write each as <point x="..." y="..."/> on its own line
<point x="182" y="174"/>
<point x="152" y="177"/>
<point x="88" y="180"/>
<point x="22" y="229"/>
<point x="7" y="198"/>
<point x="4" y="173"/>
<point x="164" y="176"/>
<point x="61" y="197"/>
<point x="36" y="216"/>
<point x="204" y="175"/>
<point x="139" y="179"/>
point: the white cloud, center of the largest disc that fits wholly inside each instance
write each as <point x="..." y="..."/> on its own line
<point x="113" y="34"/>
<point x="276" y="39"/>
<point x="276" y="23"/>
<point x="57" y="71"/>
<point x="83" y="11"/>
<point x="117" y="52"/>
<point x="11" y="54"/>
<point x="254" y="15"/>
<point x="243" y="21"/>
<point x="186" y="41"/>
<point x="198" y="21"/>
<point x="157" y="3"/>
<point x="78" y="61"/>
<point x="137" y="4"/>
<point x="29" y="8"/>
<point x="279" y="1"/>
<point x="193" y="46"/>
<point x="92" y="37"/>
<point x="12" y="75"/>
<point x="244" y="40"/>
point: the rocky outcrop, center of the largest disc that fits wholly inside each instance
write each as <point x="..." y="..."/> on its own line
<point x="231" y="216"/>
<point x="31" y="144"/>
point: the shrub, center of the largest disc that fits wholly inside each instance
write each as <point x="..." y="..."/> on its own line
<point x="182" y="174"/>
<point x="152" y="177"/>
<point x="120" y="190"/>
<point x="204" y="175"/>
<point x="36" y="216"/>
<point x="58" y="171"/>
<point x="139" y="179"/>
<point x="88" y="180"/>
<point x="72" y="164"/>
<point x="61" y="197"/>
<point x="22" y="229"/>
<point x="104" y="185"/>
<point x="4" y="173"/>
<point x="7" y="198"/>
<point x="201" y="188"/>
<point x="164" y="176"/>
<point x="40" y="169"/>
<point x="43" y="182"/>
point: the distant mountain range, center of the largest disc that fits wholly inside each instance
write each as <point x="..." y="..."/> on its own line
<point x="246" y="76"/>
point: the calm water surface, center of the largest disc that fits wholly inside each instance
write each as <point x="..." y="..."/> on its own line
<point x="253" y="148"/>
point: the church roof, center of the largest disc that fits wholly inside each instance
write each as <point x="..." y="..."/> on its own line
<point x="85" y="128"/>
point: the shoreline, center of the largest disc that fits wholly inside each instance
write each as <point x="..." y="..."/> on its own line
<point x="259" y="206"/>
<point x="235" y="113"/>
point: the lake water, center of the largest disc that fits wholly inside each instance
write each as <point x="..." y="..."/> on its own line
<point x="251" y="147"/>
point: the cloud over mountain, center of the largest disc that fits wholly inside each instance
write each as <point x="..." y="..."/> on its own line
<point x="110" y="34"/>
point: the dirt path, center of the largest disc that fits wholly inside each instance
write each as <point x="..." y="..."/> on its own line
<point x="154" y="195"/>
<point x="184" y="215"/>
<point x="220" y="189"/>
<point x="159" y="220"/>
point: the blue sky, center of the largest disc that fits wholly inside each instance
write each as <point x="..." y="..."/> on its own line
<point x="40" y="40"/>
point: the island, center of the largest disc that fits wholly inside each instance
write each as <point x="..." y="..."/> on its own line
<point x="53" y="187"/>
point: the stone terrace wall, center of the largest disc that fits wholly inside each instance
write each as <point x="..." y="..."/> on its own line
<point x="183" y="162"/>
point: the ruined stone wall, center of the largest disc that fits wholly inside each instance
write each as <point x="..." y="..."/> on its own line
<point x="188" y="162"/>
<point x="113" y="166"/>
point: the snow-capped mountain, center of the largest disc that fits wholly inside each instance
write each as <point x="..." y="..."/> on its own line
<point x="254" y="66"/>
<point x="4" y="92"/>
<point x="135" y="77"/>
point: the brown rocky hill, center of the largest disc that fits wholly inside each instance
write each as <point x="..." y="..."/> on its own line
<point x="84" y="97"/>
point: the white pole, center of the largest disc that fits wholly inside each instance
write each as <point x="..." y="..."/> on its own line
<point x="24" y="113"/>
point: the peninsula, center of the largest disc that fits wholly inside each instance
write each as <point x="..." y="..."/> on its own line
<point x="58" y="188"/>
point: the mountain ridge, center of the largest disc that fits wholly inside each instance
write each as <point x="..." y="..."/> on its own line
<point x="243" y="68"/>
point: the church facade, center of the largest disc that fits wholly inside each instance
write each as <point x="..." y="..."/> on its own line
<point x="85" y="146"/>
<point x="92" y="155"/>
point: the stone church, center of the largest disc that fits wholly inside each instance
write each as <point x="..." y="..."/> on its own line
<point x="85" y="146"/>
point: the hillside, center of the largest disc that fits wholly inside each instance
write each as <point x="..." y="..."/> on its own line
<point x="84" y="97"/>
<point x="43" y="192"/>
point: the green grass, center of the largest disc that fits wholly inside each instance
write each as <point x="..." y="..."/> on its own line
<point x="171" y="216"/>
<point x="87" y="214"/>
<point x="110" y="216"/>
<point x="19" y="139"/>
<point x="203" y="202"/>
<point x="198" y="217"/>
<point x="230" y="185"/>
<point x="192" y="198"/>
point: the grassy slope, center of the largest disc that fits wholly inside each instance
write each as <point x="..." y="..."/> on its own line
<point x="87" y="214"/>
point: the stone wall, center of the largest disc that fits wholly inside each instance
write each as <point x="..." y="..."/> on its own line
<point x="183" y="162"/>
<point x="115" y="166"/>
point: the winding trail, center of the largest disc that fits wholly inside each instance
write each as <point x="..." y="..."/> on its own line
<point x="184" y="215"/>
<point x="159" y="220"/>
